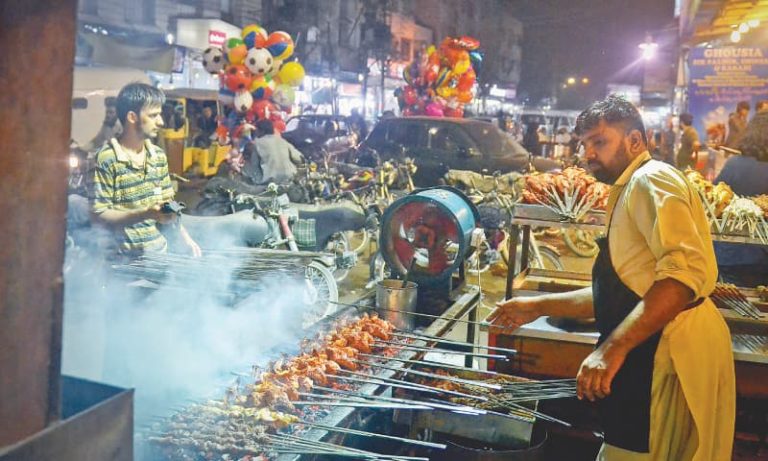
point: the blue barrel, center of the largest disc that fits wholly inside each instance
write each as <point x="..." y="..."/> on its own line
<point x="430" y="231"/>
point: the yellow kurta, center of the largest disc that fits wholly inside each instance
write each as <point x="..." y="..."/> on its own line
<point x="659" y="230"/>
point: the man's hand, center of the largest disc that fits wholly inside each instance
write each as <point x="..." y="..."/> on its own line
<point x="597" y="372"/>
<point x="512" y="313"/>
<point x="156" y="212"/>
<point x="194" y="248"/>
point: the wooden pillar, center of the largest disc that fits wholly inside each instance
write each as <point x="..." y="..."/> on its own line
<point x="35" y="108"/>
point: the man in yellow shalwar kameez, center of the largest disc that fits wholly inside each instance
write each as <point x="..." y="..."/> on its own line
<point x="662" y="372"/>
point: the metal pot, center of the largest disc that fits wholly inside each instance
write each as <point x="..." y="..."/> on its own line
<point x="390" y="294"/>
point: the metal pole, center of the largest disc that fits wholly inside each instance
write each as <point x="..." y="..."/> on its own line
<point x="514" y="232"/>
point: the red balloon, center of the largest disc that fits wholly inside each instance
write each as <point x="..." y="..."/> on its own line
<point x="262" y="109"/>
<point x="409" y="95"/>
<point x="238" y="78"/>
<point x="279" y="124"/>
<point x="466" y="81"/>
<point x="456" y="112"/>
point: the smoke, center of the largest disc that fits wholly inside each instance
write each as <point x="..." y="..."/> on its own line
<point x="176" y="341"/>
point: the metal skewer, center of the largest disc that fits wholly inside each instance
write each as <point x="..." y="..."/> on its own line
<point x="429" y="338"/>
<point x="430" y="375"/>
<point x="369" y="308"/>
<point x="442" y="351"/>
<point x="424" y="387"/>
<point x="432" y="364"/>
<point x="327" y="403"/>
<point x="438" y="406"/>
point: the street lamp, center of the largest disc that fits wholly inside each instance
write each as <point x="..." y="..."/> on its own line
<point x="571" y="81"/>
<point x="585" y="81"/>
<point x="648" y="48"/>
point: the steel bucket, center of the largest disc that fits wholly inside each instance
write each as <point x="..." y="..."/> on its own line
<point x="390" y="294"/>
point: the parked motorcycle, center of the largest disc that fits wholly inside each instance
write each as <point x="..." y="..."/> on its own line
<point x="274" y="222"/>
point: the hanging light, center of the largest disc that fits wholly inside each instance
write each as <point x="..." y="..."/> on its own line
<point x="735" y="36"/>
<point x="743" y="28"/>
<point x="753" y="23"/>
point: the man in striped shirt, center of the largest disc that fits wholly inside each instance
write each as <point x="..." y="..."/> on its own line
<point x="131" y="180"/>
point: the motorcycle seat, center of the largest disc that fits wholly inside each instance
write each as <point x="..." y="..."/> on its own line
<point x="221" y="232"/>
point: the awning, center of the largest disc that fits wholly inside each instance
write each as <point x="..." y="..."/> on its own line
<point x="717" y="19"/>
<point x="111" y="51"/>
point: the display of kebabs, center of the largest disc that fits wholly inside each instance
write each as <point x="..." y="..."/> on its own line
<point x="762" y="202"/>
<point x="572" y="192"/>
<point x="717" y="196"/>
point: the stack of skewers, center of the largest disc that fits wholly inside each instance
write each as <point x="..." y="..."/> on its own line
<point x="262" y="418"/>
<point x="727" y="296"/>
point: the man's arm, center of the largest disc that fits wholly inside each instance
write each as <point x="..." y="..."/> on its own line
<point x="512" y="313"/>
<point x="659" y="306"/>
<point x="297" y="158"/>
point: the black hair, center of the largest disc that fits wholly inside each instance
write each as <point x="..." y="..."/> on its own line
<point x="612" y="110"/>
<point x="110" y="101"/>
<point x="686" y="119"/>
<point x="265" y="126"/>
<point x="742" y="105"/>
<point x="136" y="96"/>
<point x="754" y="143"/>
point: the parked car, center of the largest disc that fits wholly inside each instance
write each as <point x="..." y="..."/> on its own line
<point x="316" y="135"/>
<point x="438" y="145"/>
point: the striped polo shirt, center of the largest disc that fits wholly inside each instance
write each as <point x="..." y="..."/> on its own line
<point x="119" y="184"/>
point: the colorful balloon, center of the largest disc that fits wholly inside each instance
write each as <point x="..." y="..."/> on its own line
<point x="434" y="109"/>
<point x="259" y="61"/>
<point x="243" y="101"/>
<point x="462" y="65"/>
<point x="251" y="33"/>
<point x="236" y="51"/>
<point x="464" y="96"/>
<point x="237" y="78"/>
<point x="284" y="96"/>
<point x="214" y="60"/>
<point x="279" y="44"/>
<point x="261" y="89"/>
<point x="276" y="65"/>
<point x="466" y="81"/>
<point x="456" y="112"/>
<point x="409" y="95"/>
<point x="292" y="73"/>
<point x="261" y="110"/>
<point x="442" y="77"/>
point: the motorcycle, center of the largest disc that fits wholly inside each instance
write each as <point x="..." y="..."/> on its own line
<point x="273" y="222"/>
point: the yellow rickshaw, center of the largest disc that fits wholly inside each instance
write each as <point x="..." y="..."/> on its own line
<point x="190" y="150"/>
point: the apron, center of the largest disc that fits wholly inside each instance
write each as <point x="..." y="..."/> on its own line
<point x="625" y="414"/>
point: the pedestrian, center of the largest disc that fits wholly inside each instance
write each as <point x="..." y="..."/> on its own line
<point x="131" y="182"/>
<point x="747" y="174"/>
<point x="689" y="143"/>
<point x="737" y="123"/>
<point x="531" y="139"/>
<point x="110" y="127"/>
<point x="206" y="124"/>
<point x="761" y="106"/>
<point x="276" y="156"/>
<point x="663" y="370"/>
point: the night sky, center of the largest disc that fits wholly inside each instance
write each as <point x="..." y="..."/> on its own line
<point x="593" y="38"/>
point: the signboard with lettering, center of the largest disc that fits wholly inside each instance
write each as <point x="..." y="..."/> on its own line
<point x="216" y="38"/>
<point x="719" y="79"/>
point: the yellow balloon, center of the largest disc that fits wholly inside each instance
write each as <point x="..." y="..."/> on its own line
<point x="461" y="67"/>
<point x="446" y="92"/>
<point x="292" y="73"/>
<point x="430" y="49"/>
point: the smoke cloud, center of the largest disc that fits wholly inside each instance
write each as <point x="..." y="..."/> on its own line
<point x="176" y="341"/>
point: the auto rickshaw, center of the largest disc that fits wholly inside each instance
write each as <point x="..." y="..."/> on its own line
<point x="189" y="150"/>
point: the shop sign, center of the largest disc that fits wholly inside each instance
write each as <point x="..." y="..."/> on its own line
<point x="216" y="38"/>
<point x="719" y="79"/>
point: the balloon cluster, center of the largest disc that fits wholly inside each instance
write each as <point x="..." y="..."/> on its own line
<point x="439" y="81"/>
<point x="255" y="80"/>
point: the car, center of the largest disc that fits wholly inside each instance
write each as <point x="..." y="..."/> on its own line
<point x="438" y="145"/>
<point x="317" y="135"/>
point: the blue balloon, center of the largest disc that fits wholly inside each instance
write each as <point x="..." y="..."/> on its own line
<point x="476" y="58"/>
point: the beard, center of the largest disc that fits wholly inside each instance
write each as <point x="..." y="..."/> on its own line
<point x="608" y="174"/>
